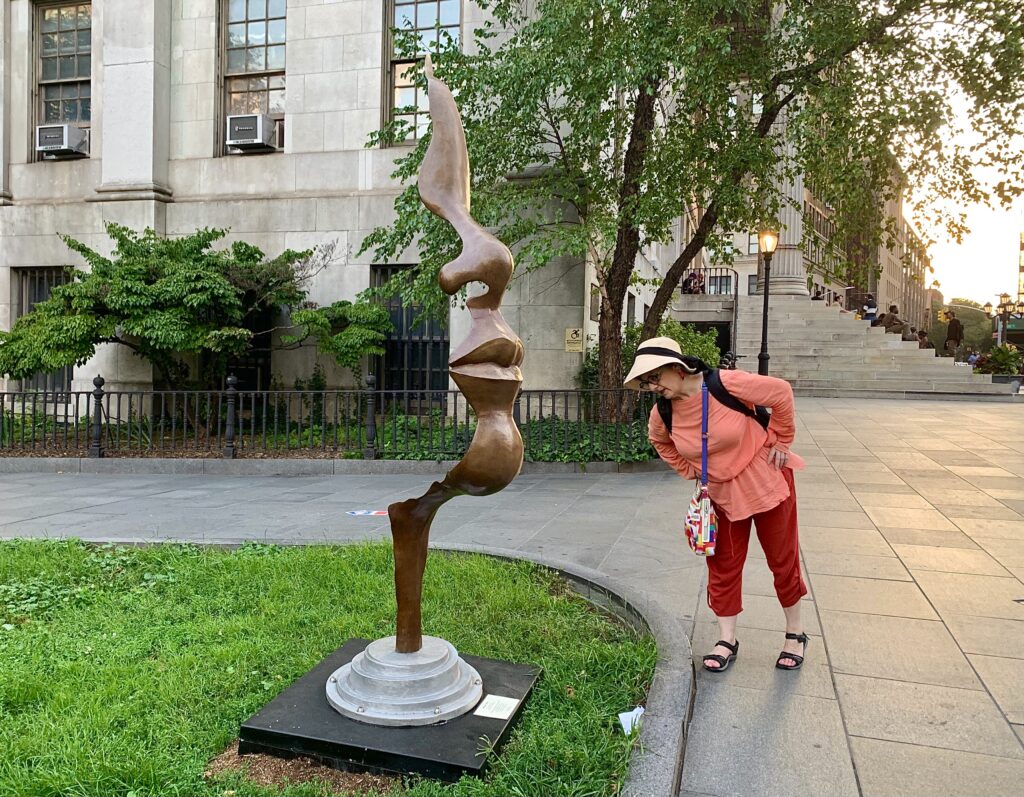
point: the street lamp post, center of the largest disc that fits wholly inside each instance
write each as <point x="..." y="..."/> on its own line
<point x="1003" y="312"/>
<point x="767" y="241"/>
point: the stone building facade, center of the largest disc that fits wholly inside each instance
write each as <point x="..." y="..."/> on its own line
<point x="153" y="81"/>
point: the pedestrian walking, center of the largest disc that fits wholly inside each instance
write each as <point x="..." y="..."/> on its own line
<point x="749" y="473"/>
<point x="954" y="334"/>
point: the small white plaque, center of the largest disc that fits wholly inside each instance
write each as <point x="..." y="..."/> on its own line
<point x="496" y="707"/>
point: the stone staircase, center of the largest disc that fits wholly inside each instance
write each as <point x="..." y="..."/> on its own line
<point x="823" y="352"/>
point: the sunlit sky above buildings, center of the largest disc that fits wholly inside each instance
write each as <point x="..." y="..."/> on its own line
<point x="985" y="263"/>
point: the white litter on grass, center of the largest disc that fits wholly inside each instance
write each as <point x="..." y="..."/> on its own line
<point x="631" y="719"/>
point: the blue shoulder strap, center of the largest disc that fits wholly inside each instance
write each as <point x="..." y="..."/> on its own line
<point x="704" y="435"/>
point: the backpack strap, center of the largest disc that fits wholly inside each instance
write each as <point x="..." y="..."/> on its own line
<point x="714" y="382"/>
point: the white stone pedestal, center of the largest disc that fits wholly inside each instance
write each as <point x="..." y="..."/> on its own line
<point x="383" y="687"/>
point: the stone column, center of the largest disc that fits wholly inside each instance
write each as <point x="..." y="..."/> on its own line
<point x="135" y="97"/>
<point x="789" y="275"/>
<point x="5" y="106"/>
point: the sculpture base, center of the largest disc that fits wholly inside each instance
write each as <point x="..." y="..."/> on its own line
<point x="300" y="722"/>
<point x="383" y="687"/>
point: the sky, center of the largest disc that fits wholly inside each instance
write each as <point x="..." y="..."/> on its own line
<point x="985" y="263"/>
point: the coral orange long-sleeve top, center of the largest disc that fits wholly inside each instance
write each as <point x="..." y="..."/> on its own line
<point x="740" y="479"/>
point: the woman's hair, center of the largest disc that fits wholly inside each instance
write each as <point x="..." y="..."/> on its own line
<point x="695" y="365"/>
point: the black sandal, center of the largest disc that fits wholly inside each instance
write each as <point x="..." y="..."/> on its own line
<point x="723" y="662"/>
<point x="802" y="639"/>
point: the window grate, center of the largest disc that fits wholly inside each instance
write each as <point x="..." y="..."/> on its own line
<point x="32" y="286"/>
<point x="415" y="355"/>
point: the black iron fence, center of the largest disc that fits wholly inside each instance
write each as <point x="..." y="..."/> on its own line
<point x="556" y="425"/>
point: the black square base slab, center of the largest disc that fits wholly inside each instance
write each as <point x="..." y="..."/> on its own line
<point x="300" y="722"/>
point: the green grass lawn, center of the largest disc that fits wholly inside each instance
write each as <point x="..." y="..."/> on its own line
<point x="123" y="671"/>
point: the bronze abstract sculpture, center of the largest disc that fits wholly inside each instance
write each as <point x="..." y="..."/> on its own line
<point x="485" y="365"/>
<point x="409" y="679"/>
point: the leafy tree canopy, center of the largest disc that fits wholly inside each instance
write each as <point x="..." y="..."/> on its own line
<point x="345" y="330"/>
<point x="636" y="113"/>
<point x="162" y="298"/>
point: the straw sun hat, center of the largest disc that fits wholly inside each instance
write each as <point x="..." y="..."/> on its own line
<point x="655" y="353"/>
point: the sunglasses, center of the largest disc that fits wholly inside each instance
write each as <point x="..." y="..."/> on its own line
<point x="649" y="380"/>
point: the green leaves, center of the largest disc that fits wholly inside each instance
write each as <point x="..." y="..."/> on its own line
<point x="161" y="297"/>
<point x="860" y="100"/>
<point x="346" y="331"/>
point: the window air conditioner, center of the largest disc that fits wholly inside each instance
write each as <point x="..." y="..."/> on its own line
<point x="251" y="133"/>
<point x="57" y="142"/>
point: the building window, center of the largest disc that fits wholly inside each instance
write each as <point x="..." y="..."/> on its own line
<point x="751" y="284"/>
<point x="415" y="355"/>
<point x="431" y="22"/>
<point x="30" y="287"/>
<point x="720" y="284"/>
<point x="647" y="311"/>
<point x="65" y="64"/>
<point x="752" y="243"/>
<point x="630" y="309"/>
<point x="254" y="66"/>
<point x="595" y="303"/>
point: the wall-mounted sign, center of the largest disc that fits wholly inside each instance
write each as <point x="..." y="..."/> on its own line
<point x="574" y="339"/>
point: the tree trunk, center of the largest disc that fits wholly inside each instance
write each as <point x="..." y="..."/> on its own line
<point x="609" y="362"/>
<point x="627" y="246"/>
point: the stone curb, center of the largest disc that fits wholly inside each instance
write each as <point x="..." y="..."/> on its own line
<point x="293" y="467"/>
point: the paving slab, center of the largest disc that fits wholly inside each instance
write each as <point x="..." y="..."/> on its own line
<point x="920" y="651"/>
<point x="991" y="512"/>
<point x="892" y="769"/>
<point x="839" y="564"/>
<point x="1004" y="678"/>
<point x="972" y="498"/>
<point x="871" y="596"/>
<point x="898" y="500"/>
<point x="989" y="636"/>
<point x="949" y="560"/>
<point x="933" y="716"/>
<point x="988" y="527"/>
<point x="915" y="517"/>
<point x="765" y="742"/>
<point x="948" y="539"/>
<point x="860" y="542"/>
<point x="984" y="596"/>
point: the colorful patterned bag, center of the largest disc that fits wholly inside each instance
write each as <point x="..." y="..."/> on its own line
<point x="701" y="521"/>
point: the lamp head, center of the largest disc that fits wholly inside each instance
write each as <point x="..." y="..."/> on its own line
<point x="767" y="240"/>
<point x="987" y="307"/>
<point x="1020" y="307"/>
<point x="1004" y="298"/>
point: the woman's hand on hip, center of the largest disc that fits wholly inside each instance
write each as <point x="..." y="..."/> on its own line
<point x="778" y="457"/>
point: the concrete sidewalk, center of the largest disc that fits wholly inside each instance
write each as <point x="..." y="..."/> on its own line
<point x="913" y="543"/>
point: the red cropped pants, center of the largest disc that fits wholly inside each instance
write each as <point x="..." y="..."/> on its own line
<point x="777" y="533"/>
